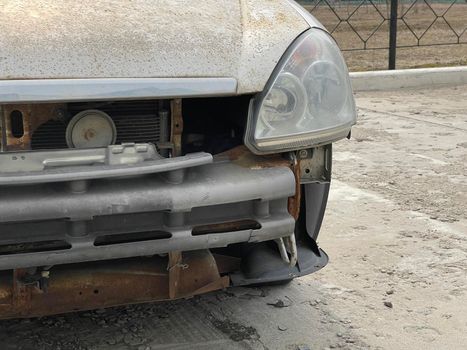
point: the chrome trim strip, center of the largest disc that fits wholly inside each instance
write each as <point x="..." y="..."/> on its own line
<point x="67" y="90"/>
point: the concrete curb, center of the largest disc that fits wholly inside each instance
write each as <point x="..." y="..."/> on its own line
<point x="408" y="78"/>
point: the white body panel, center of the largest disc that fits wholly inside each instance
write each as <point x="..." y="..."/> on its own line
<point x="244" y="40"/>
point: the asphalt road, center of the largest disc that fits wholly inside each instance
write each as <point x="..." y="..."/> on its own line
<point x="396" y="232"/>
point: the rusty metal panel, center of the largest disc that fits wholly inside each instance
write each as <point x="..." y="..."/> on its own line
<point x="294" y="202"/>
<point x="33" y="116"/>
<point x="242" y="156"/>
<point x="176" y="126"/>
<point x="110" y="283"/>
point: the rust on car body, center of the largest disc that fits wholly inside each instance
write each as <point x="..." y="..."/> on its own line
<point x="176" y="126"/>
<point x="242" y="156"/>
<point x="112" y="283"/>
<point x="170" y="203"/>
<point x="32" y="116"/>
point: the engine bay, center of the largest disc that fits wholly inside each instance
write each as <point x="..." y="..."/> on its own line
<point x="175" y="126"/>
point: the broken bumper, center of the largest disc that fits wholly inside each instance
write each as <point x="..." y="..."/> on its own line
<point x="172" y="208"/>
<point x="77" y="231"/>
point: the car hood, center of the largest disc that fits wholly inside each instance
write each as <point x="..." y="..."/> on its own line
<point x="48" y="39"/>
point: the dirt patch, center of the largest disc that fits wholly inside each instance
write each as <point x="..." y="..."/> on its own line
<point x="396" y="222"/>
<point x="236" y="331"/>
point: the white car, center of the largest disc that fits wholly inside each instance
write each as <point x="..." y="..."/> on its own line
<point x="156" y="150"/>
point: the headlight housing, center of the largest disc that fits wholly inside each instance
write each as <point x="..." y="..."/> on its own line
<point x="308" y="100"/>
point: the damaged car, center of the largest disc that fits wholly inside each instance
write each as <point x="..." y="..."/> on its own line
<point x="155" y="150"/>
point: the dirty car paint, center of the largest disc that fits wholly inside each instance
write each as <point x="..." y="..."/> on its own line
<point x="164" y="38"/>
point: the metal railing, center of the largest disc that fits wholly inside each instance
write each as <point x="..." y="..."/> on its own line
<point x="392" y="24"/>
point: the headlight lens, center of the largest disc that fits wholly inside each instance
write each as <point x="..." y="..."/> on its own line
<point x="308" y="100"/>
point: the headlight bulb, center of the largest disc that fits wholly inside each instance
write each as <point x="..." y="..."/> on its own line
<point x="285" y="102"/>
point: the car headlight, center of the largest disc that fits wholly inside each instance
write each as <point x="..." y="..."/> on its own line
<point x="308" y="100"/>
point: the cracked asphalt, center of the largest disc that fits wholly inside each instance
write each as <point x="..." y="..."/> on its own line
<point x="396" y="232"/>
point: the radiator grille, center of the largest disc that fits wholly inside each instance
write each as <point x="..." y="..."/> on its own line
<point x="50" y="135"/>
<point x="135" y="121"/>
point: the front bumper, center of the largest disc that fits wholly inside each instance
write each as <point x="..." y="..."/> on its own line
<point x="62" y="243"/>
<point x="186" y="209"/>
